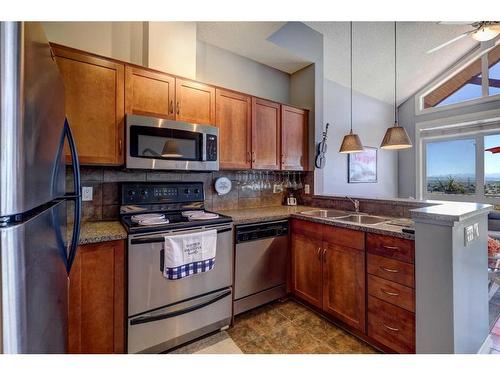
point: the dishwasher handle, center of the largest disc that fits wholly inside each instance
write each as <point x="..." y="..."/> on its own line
<point x="261" y="231"/>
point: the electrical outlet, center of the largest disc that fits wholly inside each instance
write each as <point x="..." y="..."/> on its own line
<point x="471" y="233"/>
<point x="307" y="189"/>
<point x="87" y="193"/>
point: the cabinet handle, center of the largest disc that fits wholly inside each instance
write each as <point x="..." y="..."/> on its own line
<point x="120" y="146"/>
<point x="391" y="328"/>
<point x="389" y="270"/>
<point x="178" y="107"/>
<point x="324" y="255"/>
<point x="318" y="253"/>
<point x="389" y="293"/>
<point x="253" y="157"/>
<point x="249" y="157"/>
<point x="283" y="156"/>
<point x="171" y="106"/>
<point x="390" y="247"/>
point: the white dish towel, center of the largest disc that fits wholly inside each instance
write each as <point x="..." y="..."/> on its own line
<point x="189" y="254"/>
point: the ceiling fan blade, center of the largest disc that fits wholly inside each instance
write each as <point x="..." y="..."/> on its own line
<point x="449" y="42"/>
<point x="456" y="22"/>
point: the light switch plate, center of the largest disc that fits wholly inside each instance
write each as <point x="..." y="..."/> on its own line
<point x="87" y="193"/>
<point x="471" y="233"/>
<point x="307" y="189"/>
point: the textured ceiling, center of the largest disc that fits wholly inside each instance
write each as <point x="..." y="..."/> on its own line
<point x="373" y="51"/>
<point x="249" y="39"/>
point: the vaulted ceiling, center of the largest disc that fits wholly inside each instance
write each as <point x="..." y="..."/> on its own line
<point x="373" y="51"/>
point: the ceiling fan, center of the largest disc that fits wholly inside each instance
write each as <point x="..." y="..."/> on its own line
<point x="482" y="31"/>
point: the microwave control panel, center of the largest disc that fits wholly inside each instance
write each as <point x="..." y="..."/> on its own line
<point x="211" y="147"/>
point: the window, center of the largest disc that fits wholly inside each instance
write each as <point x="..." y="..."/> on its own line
<point x="492" y="165"/>
<point x="451" y="167"/>
<point x="468" y="83"/>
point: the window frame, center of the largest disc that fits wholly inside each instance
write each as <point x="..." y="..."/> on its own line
<point x="457" y="127"/>
<point x="480" y="52"/>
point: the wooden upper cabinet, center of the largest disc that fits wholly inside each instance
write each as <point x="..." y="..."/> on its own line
<point x="266" y="124"/>
<point x="344" y="284"/>
<point x="96" y="294"/>
<point x="149" y="93"/>
<point x="94" y="100"/>
<point x="294" y="136"/>
<point x="234" y="120"/>
<point x="195" y="102"/>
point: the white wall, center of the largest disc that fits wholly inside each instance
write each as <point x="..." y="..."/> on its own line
<point x="172" y="47"/>
<point x="119" y="40"/>
<point x="224" y="68"/>
<point x="371" y="117"/>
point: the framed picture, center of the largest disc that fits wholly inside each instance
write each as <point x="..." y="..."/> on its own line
<point x="362" y="166"/>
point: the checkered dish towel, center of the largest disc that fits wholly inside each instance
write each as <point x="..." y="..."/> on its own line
<point x="189" y="254"/>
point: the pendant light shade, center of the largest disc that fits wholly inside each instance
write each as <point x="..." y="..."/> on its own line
<point x="395" y="137"/>
<point x="351" y="142"/>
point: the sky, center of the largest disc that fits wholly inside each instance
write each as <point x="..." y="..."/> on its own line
<point x="457" y="157"/>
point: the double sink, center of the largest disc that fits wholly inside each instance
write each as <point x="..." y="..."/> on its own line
<point x="346" y="216"/>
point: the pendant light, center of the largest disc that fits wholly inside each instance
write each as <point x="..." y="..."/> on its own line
<point x="395" y="137"/>
<point x="351" y="142"/>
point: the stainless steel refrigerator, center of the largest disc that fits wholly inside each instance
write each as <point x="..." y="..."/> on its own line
<point x="35" y="256"/>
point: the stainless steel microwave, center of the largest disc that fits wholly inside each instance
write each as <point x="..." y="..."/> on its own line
<point x="155" y="143"/>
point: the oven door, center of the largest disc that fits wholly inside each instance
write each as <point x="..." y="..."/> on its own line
<point x="149" y="290"/>
<point x="154" y="143"/>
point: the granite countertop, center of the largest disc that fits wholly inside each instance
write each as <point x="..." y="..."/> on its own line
<point x="450" y="211"/>
<point x="255" y="215"/>
<point x="99" y="231"/>
<point x="392" y="228"/>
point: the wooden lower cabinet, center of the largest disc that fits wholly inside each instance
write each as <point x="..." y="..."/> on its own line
<point x="307" y="282"/>
<point x="96" y="294"/>
<point x="391" y="292"/>
<point x="344" y="284"/>
<point x="328" y="274"/>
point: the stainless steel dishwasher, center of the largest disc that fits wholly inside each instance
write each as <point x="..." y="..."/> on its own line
<point x="260" y="264"/>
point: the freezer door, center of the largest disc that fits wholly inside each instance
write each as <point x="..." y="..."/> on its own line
<point x="31" y="119"/>
<point x="34" y="284"/>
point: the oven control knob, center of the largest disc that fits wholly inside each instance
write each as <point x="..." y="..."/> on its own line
<point x="131" y="193"/>
<point x="197" y="191"/>
<point x="186" y="191"/>
<point x="144" y="193"/>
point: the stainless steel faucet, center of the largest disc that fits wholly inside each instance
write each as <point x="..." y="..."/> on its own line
<point x="356" y="204"/>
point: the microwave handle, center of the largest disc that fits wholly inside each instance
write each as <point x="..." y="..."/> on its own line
<point x="204" y="147"/>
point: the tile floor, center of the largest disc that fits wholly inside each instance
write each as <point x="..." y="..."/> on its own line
<point x="280" y="328"/>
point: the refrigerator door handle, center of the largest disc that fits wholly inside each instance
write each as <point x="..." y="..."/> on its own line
<point x="76" y="196"/>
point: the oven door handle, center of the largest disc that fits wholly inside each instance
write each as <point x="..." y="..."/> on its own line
<point x="153" y="318"/>
<point x="140" y="241"/>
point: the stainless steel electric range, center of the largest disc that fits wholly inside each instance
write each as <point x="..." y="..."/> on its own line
<point x="164" y="313"/>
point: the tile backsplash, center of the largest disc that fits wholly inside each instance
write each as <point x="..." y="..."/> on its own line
<point x="105" y="182"/>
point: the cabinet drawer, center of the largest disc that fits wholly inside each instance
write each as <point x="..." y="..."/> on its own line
<point x="391" y="269"/>
<point x="307" y="229"/>
<point x="392" y="247"/>
<point x="392" y="292"/>
<point x="392" y="326"/>
<point x="354" y="239"/>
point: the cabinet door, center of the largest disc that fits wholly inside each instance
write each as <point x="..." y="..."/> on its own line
<point x="344" y="284"/>
<point x="234" y="120"/>
<point x="294" y="135"/>
<point x="149" y="93"/>
<point x="195" y="102"/>
<point x="265" y="134"/>
<point x="96" y="308"/>
<point x="94" y="100"/>
<point x="306" y="269"/>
